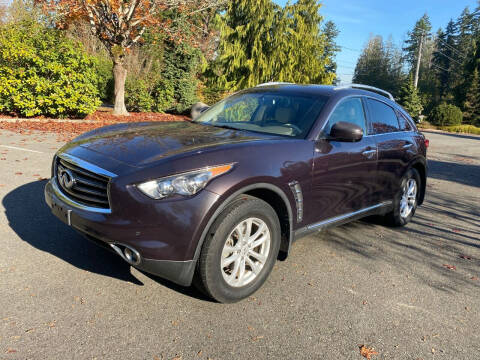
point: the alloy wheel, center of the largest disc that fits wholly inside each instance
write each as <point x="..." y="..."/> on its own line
<point x="245" y="252"/>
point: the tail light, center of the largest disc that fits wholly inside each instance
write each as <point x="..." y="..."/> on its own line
<point x="427" y="143"/>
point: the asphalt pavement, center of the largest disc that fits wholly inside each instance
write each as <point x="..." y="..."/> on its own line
<point x="411" y="293"/>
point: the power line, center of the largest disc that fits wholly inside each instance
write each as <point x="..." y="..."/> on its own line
<point x="451" y="47"/>
<point x="439" y="67"/>
<point x="347" y="48"/>
<point x="448" y="57"/>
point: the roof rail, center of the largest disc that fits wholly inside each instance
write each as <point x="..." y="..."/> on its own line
<point x="367" y="87"/>
<point x="275" y="83"/>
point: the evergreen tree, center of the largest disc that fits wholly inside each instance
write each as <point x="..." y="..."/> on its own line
<point x="377" y="65"/>
<point x="303" y="53"/>
<point x="421" y="30"/>
<point x="409" y="98"/>
<point x="246" y="43"/>
<point x="471" y="108"/>
<point x="263" y="42"/>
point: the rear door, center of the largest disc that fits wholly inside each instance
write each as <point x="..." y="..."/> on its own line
<point x="344" y="172"/>
<point x="395" y="145"/>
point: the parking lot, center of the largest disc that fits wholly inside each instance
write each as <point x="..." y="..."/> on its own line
<point x="411" y="293"/>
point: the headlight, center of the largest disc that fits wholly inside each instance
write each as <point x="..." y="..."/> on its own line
<point x="186" y="184"/>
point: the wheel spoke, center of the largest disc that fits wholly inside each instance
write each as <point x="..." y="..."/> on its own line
<point x="259" y="241"/>
<point x="241" y="271"/>
<point x="259" y="257"/>
<point x="227" y="261"/>
<point x="248" y="228"/>
<point x="260" y="231"/>
<point x="255" y="267"/>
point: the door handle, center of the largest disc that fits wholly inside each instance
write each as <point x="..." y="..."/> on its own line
<point x="407" y="146"/>
<point x="369" y="153"/>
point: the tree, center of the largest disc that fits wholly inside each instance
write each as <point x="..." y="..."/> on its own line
<point x="331" y="47"/>
<point x="409" y="98"/>
<point x="420" y="31"/>
<point x="379" y="65"/>
<point x="471" y="108"/>
<point x="245" y="44"/>
<point x="262" y="42"/>
<point x="121" y="24"/>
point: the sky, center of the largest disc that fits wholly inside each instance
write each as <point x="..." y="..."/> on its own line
<point x="358" y="19"/>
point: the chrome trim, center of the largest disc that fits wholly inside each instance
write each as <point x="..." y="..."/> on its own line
<point x="346" y="216"/>
<point x="59" y="194"/>
<point x="119" y="251"/>
<point x="298" y="196"/>
<point x="86" y="165"/>
<point x="367" y="87"/>
<point x="274" y="83"/>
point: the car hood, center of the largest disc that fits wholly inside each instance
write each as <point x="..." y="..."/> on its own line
<point x="140" y="144"/>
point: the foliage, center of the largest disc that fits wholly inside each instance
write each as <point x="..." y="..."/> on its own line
<point x="121" y="24"/>
<point x="379" y="65"/>
<point x="410" y="99"/>
<point x="103" y="69"/>
<point x="262" y="42"/>
<point x="471" y="106"/>
<point x="44" y="73"/>
<point x="446" y="115"/>
<point x="462" y="129"/>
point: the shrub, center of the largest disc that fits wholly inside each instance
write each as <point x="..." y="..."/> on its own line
<point x="138" y="95"/>
<point x="462" y="129"/>
<point x="105" y="82"/>
<point x="446" y="115"/>
<point x="44" y="73"/>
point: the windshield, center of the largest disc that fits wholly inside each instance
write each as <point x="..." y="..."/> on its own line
<point x="272" y="113"/>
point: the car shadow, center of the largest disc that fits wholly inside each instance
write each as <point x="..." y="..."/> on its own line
<point x="31" y="219"/>
<point x="465" y="174"/>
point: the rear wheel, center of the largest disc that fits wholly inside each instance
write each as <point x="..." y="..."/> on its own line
<point x="241" y="250"/>
<point x="406" y="200"/>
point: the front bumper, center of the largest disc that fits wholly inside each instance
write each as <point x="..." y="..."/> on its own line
<point x="165" y="233"/>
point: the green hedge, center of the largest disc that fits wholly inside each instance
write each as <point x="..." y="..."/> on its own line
<point x="446" y="115"/>
<point x="44" y="73"/>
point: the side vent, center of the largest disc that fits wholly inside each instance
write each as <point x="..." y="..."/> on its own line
<point x="298" y="196"/>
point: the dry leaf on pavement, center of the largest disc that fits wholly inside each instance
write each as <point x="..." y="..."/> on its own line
<point x="367" y="352"/>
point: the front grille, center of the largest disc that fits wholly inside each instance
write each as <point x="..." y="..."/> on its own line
<point x="81" y="185"/>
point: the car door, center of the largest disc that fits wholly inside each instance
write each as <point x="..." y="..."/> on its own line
<point x="344" y="172"/>
<point x="396" y="147"/>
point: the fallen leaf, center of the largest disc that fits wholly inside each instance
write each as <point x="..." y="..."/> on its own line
<point x="474" y="278"/>
<point x="18" y="173"/>
<point x="36" y="175"/>
<point x="177" y="357"/>
<point x="365" y="302"/>
<point x="10" y="351"/>
<point x="465" y="257"/>
<point x="456" y="230"/>
<point x="250" y="328"/>
<point x="199" y="353"/>
<point x="367" y="352"/>
<point x="450" y="267"/>
<point x="256" y="338"/>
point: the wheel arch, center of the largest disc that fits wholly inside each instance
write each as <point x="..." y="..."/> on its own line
<point x="421" y="166"/>
<point x="272" y="195"/>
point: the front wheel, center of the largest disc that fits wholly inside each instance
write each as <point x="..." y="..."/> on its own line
<point x="241" y="250"/>
<point x="406" y="200"/>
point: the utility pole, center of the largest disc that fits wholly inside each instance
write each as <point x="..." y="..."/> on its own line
<point x="417" y="72"/>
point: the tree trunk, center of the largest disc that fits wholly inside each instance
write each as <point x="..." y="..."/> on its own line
<point x="119" y="75"/>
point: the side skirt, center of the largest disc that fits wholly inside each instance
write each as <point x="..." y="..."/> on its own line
<point x="378" y="209"/>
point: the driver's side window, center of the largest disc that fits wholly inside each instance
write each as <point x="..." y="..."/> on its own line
<point x="349" y="110"/>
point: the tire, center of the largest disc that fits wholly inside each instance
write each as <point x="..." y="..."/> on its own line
<point x="227" y="240"/>
<point x="399" y="216"/>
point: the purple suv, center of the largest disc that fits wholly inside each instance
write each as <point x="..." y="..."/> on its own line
<point x="217" y="199"/>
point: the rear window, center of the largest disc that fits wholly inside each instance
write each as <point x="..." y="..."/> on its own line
<point x="404" y="123"/>
<point x="383" y="118"/>
<point x="266" y="112"/>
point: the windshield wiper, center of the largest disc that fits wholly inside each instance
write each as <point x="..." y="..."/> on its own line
<point x="226" y="127"/>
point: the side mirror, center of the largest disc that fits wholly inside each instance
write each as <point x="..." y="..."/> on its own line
<point x="345" y="131"/>
<point x="198" y="109"/>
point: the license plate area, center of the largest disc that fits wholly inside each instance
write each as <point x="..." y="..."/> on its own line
<point x="62" y="213"/>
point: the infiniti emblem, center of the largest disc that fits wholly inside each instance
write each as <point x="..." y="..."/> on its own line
<point x="66" y="178"/>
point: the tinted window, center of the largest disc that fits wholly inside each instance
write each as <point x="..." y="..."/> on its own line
<point x="267" y="112"/>
<point x="383" y="117"/>
<point x="350" y="110"/>
<point x="404" y="123"/>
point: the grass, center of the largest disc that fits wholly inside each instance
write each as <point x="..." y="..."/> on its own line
<point x="459" y="129"/>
